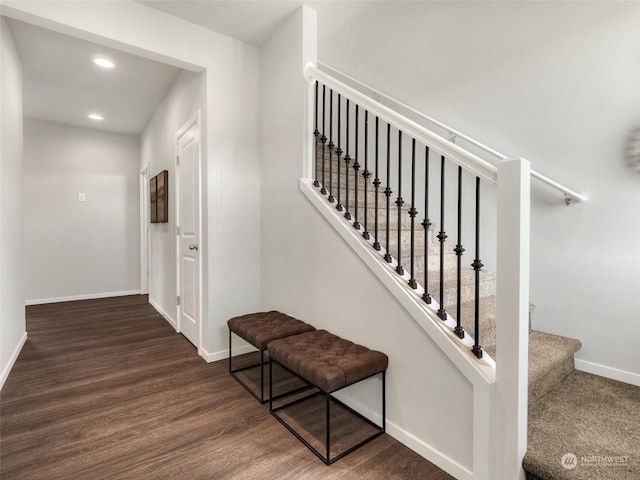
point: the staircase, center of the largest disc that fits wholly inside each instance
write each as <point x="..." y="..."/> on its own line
<point x="558" y="394"/>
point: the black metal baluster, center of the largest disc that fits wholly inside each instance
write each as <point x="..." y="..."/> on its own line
<point x="331" y="146"/>
<point x="347" y="161"/>
<point x="458" y="330"/>
<point x="316" y="183"/>
<point x="388" y="192"/>
<point x="339" y="152"/>
<point x="376" y="184"/>
<point x="442" y="236"/>
<point x="356" y="167"/>
<point x="399" y="203"/>
<point x="412" y="213"/>
<point x="323" y="138"/>
<point x="426" y="224"/>
<point x="477" y="266"/>
<point x="366" y="174"/>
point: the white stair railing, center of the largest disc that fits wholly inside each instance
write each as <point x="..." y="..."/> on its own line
<point x="507" y="402"/>
<point x="453" y="134"/>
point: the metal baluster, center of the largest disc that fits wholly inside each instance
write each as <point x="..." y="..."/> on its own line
<point x="388" y="192"/>
<point x="347" y="160"/>
<point x="316" y="183"/>
<point x="426" y="224"/>
<point x="412" y="213"/>
<point x="442" y="236"/>
<point x="356" y="167"/>
<point x="376" y="184"/>
<point x="366" y="174"/>
<point x="399" y="203"/>
<point x="331" y="146"/>
<point x="323" y="138"/>
<point x="477" y="266"/>
<point x="339" y="152"/>
<point x="458" y="330"/>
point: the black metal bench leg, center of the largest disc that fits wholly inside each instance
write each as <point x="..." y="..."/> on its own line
<point x="328" y="457"/>
<point x="384" y="401"/>
<point x="262" y="376"/>
<point x="230" y="369"/>
<point x="270" y="385"/>
<point x="260" y="398"/>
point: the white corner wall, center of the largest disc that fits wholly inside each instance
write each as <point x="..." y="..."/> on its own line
<point x="231" y="193"/>
<point x="12" y="319"/>
<point x="186" y="96"/>
<point x="73" y="249"/>
<point x="309" y="272"/>
<point x="556" y="83"/>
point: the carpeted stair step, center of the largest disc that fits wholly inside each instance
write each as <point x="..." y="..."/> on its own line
<point x="487" y="321"/>
<point x="467" y="285"/>
<point x="433" y="259"/>
<point x="405" y="219"/>
<point x="593" y="418"/>
<point x="550" y="361"/>
<point x="331" y="182"/>
<point x="405" y="242"/>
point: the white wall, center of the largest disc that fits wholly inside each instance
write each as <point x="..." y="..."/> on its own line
<point x="554" y="82"/>
<point x="78" y="249"/>
<point x="184" y="99"/>
<point x="231" y="192"/>
<point x="309" y="272"/>
<point x="12" y="319"/>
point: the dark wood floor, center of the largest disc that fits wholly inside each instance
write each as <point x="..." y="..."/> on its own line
<point x="105" y="389"/>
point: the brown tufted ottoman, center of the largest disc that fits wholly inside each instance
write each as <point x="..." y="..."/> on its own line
<point x="329" y="363"/>
<point x="259" y="329"/>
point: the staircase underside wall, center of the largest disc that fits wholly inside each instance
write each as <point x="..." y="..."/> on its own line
<point x="316" y="277"/>
<point x="308" y="271"/>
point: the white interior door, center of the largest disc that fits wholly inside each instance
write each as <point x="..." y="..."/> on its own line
<point x="188" y="230"/>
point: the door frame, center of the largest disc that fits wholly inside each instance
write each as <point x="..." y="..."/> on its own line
<point x="144" y="230"/>
<point x="195" y="119"/>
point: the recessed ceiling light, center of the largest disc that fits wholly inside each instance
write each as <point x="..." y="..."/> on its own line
<point x="96" y="116"/>
<point x="103" y="62"/>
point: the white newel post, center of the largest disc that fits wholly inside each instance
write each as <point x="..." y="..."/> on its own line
<point x="512" y="325"/>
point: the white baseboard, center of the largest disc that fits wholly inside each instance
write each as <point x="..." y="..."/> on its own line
<point x="224" y="354"/>
<point x="425" y="450"/>
<point x="164" y="314"/>
<point x="73" y="298"/>
<point x="12" y="360"/>
<point x="422" y="448"/>
<point x="608" y="372"/>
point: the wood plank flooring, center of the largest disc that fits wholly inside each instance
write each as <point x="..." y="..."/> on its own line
<point x="105" y="389"/>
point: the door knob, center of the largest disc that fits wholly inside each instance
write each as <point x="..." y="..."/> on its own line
<point x="193" y="247"/>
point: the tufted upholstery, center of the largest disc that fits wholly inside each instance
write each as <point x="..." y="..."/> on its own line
<point x="260" y="328"/>
<point x="325" y="360"/>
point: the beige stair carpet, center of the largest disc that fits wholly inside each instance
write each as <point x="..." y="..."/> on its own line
<point x="587" y="428"/>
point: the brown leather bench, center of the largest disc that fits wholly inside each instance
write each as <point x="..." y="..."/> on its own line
<point x="328" y="363"/>
<point x="259" y="329"/>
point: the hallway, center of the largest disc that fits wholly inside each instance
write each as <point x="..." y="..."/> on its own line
<point x="106" y="389"/>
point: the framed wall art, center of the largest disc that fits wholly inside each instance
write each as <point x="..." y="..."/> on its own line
<point x="153" y="208"/>
<point x="159" y="190"/>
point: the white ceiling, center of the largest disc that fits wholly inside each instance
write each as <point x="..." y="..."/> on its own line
<point x="249" y="21"/>
<point x="62" y="84"/>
